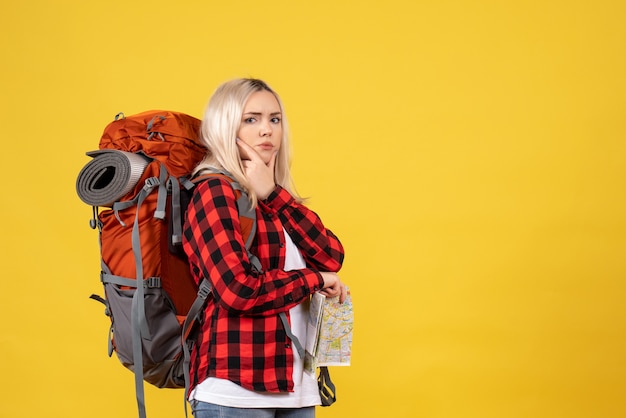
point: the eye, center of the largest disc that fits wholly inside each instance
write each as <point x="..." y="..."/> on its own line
<point x="275" y="120"/>
<point x="249" y="120"/>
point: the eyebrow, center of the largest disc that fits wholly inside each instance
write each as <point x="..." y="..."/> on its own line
<point x="260" y="113"/>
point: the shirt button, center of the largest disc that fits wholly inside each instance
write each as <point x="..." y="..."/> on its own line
<point x="282" y="245"/>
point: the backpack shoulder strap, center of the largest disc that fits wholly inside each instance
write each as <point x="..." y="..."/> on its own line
<point x="247" y="214"/>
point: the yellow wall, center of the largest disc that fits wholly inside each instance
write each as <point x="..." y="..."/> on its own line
<point x="470" y="154"/>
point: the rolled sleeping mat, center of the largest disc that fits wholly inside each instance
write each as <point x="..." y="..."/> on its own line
<point x="109" y="176"/>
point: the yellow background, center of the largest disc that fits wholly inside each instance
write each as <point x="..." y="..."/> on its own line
<point x="469" y="154"/>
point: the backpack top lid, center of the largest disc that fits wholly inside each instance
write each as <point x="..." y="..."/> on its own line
<point x="168" y="136"/>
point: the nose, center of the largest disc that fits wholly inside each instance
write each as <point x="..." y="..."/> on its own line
<point x="266" y="129"/>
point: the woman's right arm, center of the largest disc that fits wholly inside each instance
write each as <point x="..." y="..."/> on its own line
<point x="216" y="250"/>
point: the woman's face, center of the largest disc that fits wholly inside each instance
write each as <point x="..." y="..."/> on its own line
<point x="261" y="124"/>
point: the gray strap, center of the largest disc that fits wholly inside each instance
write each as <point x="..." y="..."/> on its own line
<point x="149" y="283"/>
<point x="214" y="170"/>
<point x="254" y="260"/>
<point x="159" y="213"/>
<point x="149" y="184"/>
<point x="184" y="181"/>
<point x="192" y="317"/>
<point x="118" y="206"/>
<point x="292" y="337"/>
<point x="176" y="221"/>
<point x="118" y="280"/>
<point x="151" y="125"/>
<point x="139" y="325"/>
<point x="138" y="298"/>
<point x="246" y="210"/>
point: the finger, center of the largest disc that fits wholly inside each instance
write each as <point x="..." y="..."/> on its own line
<point x="344" y="294"/>
<point x="243" y="154"/>
<point x="331" y="291"/>
<point x="248" y="152"/>
<point x="246" y="166"/>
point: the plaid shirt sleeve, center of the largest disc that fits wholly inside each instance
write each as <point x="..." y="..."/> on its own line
<point x="318" y="245"/>
<point x="216" y="250"/>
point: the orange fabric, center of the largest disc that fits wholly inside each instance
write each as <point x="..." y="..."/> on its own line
<point x="180" y="151"/>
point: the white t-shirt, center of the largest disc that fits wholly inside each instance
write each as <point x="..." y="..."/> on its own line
<point x="226" y="393"/>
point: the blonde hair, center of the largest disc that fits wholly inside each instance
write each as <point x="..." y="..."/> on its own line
<point x="218" y="132"/>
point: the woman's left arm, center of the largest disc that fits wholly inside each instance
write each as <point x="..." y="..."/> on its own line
<point x="320" y="248"/>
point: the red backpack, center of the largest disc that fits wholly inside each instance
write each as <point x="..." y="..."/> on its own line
<point x="140" y="179"/>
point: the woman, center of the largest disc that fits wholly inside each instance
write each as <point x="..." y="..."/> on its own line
<point x="243" y="363"/>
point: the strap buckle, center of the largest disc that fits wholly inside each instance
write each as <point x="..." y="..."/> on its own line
<point x="151" y="182"/>
<point x="152" y="283"/>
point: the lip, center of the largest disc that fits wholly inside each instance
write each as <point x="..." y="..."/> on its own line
<point x="266" y="146"/>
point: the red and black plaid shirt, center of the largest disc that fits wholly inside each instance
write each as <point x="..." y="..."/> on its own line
<point x="242" y="338"/>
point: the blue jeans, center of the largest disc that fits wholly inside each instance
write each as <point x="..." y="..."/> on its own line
<point x="209" y="410"/>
